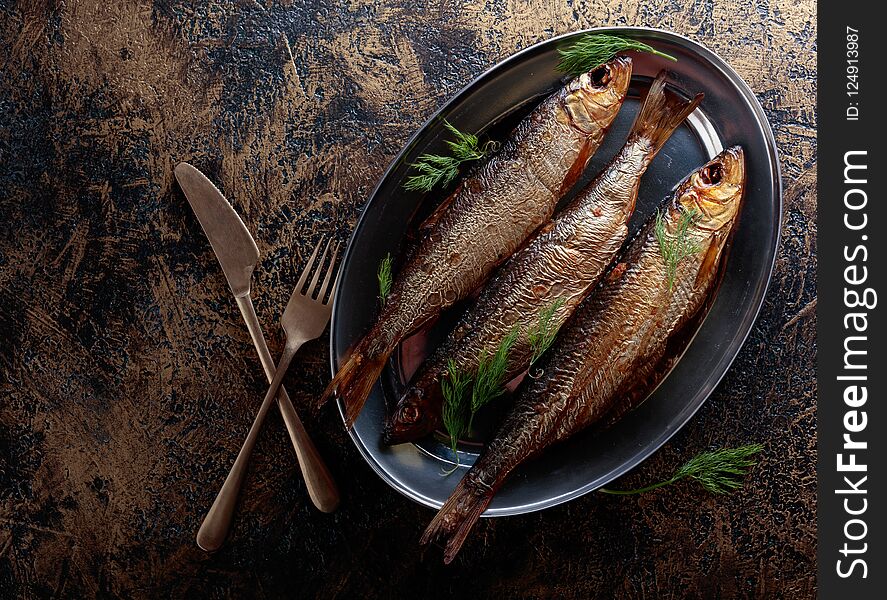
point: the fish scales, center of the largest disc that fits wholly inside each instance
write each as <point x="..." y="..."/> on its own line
<point x="616" y="339"/>
<point x="557" y="269"/>
<point x="487" y="218"/>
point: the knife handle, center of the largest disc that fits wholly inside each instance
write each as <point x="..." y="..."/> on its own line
<point x="319" y="482"/>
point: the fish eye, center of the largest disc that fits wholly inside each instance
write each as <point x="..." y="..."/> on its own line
<point x="409" y="414"/>
<point x="712" y="174"/>
<point x="600" y="76"/>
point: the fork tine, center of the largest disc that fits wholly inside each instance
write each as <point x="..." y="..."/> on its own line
<point x="333" y="291"/>
<point x="307" y="268"/>
<point x="329" y="274"/>
<point x="312" y="287"/>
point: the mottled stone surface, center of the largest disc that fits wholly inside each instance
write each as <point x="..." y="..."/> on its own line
<point x="128" y="378"/>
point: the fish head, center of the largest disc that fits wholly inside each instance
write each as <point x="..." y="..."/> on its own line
<point x="411" y="419"/>
<point x="713" y="193"/>
<point x="594" y="98"/>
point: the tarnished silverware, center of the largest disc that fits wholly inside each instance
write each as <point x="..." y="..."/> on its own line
<point x="305" y="318"/>
<point x="238" y="255"/>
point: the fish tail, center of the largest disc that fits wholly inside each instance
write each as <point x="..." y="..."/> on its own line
<point x="355" y="379"/>
<point x="661" y="113"/>
<point x="455" y="520"/>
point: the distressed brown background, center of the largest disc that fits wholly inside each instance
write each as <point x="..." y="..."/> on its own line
<point x="128" y="379"/>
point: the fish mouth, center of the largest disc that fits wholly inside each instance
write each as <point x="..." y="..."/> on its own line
<point x="614" y="75"/>
<point x="728" y="166"/>
<point x="391" y="437"/>
<point x="596" y="96"/>
<point x="393" y="434"/>
<point x="723" y="173"/>
<point x="714" y="190"/>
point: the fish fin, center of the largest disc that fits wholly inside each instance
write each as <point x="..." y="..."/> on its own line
<point x="710" y="262"/>
<point x="456" y="518"/>
<point x="355" y="379"/>
<point x="432" y="219"/>
<point x="578" y="166"/>
<point x="661" y="113"/>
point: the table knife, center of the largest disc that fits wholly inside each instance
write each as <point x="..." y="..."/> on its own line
<point x="238" y="255"/>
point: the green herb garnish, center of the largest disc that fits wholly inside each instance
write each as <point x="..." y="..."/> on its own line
<point x="434" y="169"/>
<point x="455" y="410"/>
<point x="490" y="382"/>
<point x="593" y="49"/>
<point x="542" y="335"/>
<point x="718" y="471"/>
<point x="385" y="278"/>
<point x="678" y="246"/>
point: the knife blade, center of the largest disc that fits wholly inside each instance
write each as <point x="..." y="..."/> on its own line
<point x="230" y="239"/>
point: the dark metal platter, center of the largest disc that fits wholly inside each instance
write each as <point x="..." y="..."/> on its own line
<point x="492" y="104"/>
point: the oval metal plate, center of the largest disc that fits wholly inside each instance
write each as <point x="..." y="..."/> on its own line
<point x="492" y="103"/>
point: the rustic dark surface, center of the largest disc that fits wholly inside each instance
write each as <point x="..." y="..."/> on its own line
<point x="128" y="378"/>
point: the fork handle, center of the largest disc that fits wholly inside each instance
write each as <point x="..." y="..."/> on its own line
<point x="215" y="525"/>
<point x="319" y="482"/>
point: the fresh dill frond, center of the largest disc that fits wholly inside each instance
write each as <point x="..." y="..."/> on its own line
<point x="455" y="411"/>
<point x="720" y="471"/>
<point x="677" y="246"/>
<point x="717" y="471"/>
<point x="541" y="336"/>
<point x="465" y="146"/>
<point x="385" y="278"/>
<point x="593" y="49"/>
<point x="434" y="169"/>
<point x="489" y="383"/>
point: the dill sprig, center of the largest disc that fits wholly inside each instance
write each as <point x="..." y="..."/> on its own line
<point x="678" y="246"/>
<point x="717" y="471"/>
<point x="455" y="408"/>
<point x="434" y="169"/>
<point x="489" y="383"/>
<point x="385" y="278"/>
<point x="593" y="49"/>
<point x="541" y="336"/>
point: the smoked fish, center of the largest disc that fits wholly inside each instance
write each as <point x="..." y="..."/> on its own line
<point x="487" y="218"/>
<point x="554" y="272"/>
<point x="616" y="338"/>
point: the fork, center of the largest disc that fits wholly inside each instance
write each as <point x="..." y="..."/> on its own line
<point x="304" y="319"/>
